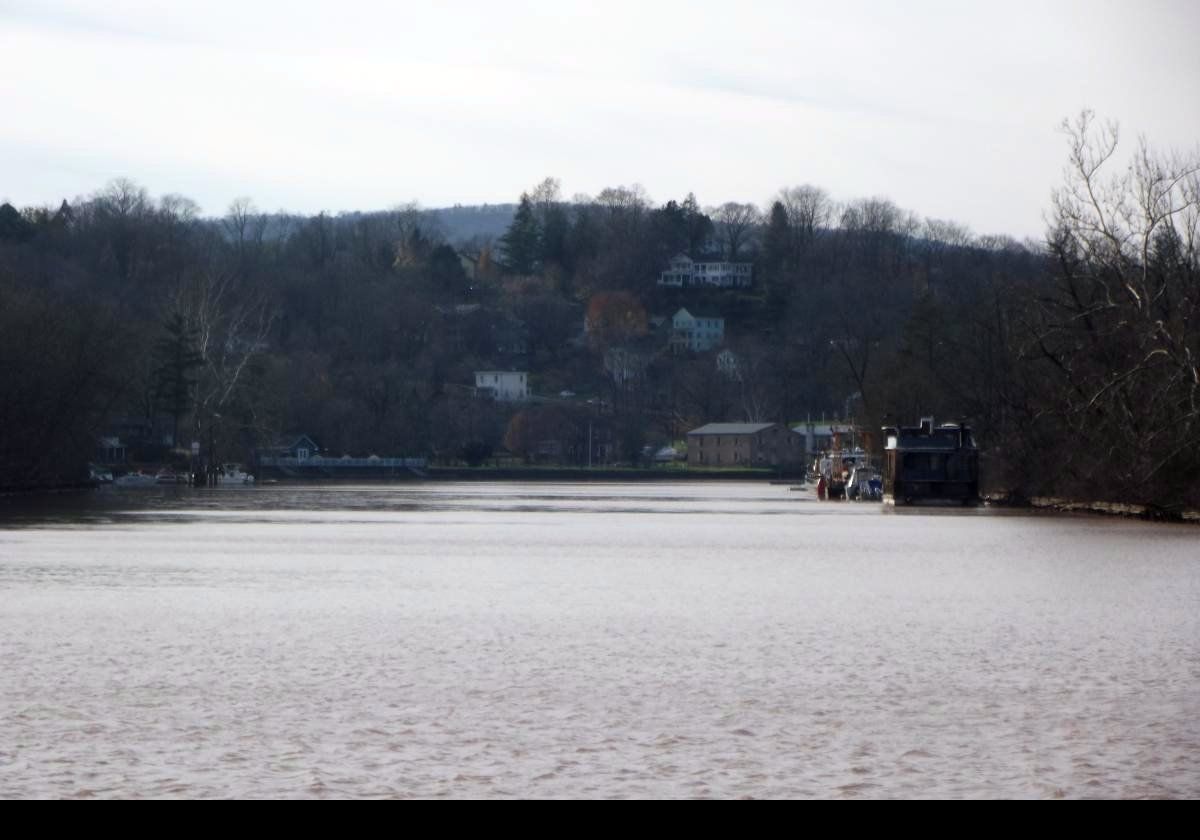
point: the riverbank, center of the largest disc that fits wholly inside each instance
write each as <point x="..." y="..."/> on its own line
<point x="1152" y="513"/>
<point x="520" y="473"/>
<point x="47" y="490"/>
<point x="577" y="474"/>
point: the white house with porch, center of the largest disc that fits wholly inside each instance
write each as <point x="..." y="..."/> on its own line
<point x="683" y="271"/>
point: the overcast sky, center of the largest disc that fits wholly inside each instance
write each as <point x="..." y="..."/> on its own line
<point x="949" y="109"/>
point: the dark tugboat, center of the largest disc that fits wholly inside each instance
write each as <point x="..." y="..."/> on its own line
<point x="928" y="463"/>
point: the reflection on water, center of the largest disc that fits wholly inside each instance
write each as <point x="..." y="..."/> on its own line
<point x="589" y="640"/>
<point x="143" y="505"/>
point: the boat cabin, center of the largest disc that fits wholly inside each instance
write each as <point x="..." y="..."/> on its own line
<point x="930" y="463"/>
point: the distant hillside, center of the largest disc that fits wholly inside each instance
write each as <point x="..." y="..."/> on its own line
<point x="461" y="223"/>
<point x="457" y="224"/>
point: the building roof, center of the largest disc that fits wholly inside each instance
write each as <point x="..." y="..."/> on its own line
<point x="945" y="438"/>
<point x="683" y="311"/>
<point x="731" y="429"/>
<point x="290" y="442"/>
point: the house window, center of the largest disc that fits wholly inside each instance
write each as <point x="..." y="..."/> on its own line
<point x="302" y="454"/>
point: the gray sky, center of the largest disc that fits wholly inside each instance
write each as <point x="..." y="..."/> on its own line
<point x="948" y="108"/>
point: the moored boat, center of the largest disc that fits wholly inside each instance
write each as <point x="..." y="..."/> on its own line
<point x="135" y="479"/>
<point x="927" y="463"/>
<point x="234" y="474"/>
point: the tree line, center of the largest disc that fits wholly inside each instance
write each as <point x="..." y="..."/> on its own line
<point x="1076" y="358"/>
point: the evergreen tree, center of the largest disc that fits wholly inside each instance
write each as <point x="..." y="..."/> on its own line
<point x="449" y="280"/>
<point x="553" y="246"/>
<point x="14" y="226"/>
<point x="776" y="239"/>
<point x="699" y="226"/>
<point x="776" y="260"/>
<point x="177" y="358"/>
<point x="521" y="245"/>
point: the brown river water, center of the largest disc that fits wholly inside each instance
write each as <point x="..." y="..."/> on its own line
<point x="603" y="640"/>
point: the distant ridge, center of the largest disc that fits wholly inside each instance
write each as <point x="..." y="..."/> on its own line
<point x="463" y="222"/>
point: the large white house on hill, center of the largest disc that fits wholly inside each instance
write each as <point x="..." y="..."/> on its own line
<point x="685" y="272"/>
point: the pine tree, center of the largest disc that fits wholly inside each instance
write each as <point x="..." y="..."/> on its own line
<point x="699" y="226"/>
<point x="521" y="245"/>
<point x="177" y="358"/>
<point x="14" y="226"/>
<point x="777" y="239"/>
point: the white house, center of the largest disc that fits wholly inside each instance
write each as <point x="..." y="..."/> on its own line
<point x="684" y="271"/>
<point x="504" y="385"/>
<point x="678" y="273"/>
<point x="696" y="334"/>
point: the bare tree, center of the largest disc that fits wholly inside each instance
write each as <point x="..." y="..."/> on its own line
<point x="736" y="225"/>
<point x="229" y="334"/>
<point x="120" y="212"/>
<point x="237" y="219"/>
<point x="246" y="228"/>
<point x="631" y="198"/>
<point x="546" y="194"/>
<point x="751" y="370"/>
<point x="945" y="234"/>
<point x="808" y="209"/>
<point x="1121" y="328"/>
<point x="178" y="209"/>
